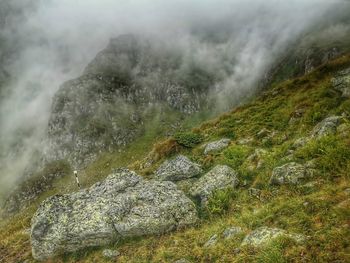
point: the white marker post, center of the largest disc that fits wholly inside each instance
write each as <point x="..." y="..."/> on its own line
<point x="76" y="178"/>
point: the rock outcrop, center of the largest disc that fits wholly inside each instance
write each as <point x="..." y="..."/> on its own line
<point x="326" y="127"/>
<point x="216" y="146"/>
<point x="289" y="173"/>
<point x="124" y="205"/>
<point x="341" y="82"/>
<point x="106" y="107"/>
<point x="220" y="177"/>
<point x="179" y="168"/>
<point x="264" y="235"/>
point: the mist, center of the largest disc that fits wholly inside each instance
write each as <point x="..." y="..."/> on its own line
<point x="49" y="42"/>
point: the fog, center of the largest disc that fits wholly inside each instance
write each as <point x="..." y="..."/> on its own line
<point x="49" y="42"/>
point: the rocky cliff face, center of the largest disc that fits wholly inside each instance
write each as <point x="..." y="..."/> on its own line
<point x="105" y="107"/>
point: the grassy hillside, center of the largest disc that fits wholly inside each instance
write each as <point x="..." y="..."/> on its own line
<point x="318" y="209"/>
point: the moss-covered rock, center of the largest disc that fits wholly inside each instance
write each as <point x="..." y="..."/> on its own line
<point x="124" y="205"/>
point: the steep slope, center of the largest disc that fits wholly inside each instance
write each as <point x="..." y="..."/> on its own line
<point x="289" y="148"/>
<point x="106" y="107"/>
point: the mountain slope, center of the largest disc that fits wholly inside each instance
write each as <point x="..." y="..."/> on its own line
<point x="285" y="124"/>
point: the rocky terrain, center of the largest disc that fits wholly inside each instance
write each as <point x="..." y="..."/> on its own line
<point x="107" y="106"/>
<point x="252" y="185"/>
<point x="267" y="181"/>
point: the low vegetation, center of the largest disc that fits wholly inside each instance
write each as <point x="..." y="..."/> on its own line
<point x="317" y="209"/>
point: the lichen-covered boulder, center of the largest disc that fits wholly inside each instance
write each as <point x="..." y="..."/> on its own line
<point x="216" y="146"/>
<point x="232" y="232"/>
<point x="264" y="235"/>
<point x="289" y="173"/>
<point x="341" y="82"/>
<point x="212" y="241"/>
<point x="326" y="127"/>
<point x="177" y="169"/>
<point x="220" y="177"/>
<point x="124" y="205"/>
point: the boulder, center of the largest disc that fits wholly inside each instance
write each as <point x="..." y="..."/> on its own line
<point x="289" y="173"/>
<point x="326" y="127"/>
<point x="216" y="146"/>
<point x="110" y="254"/>
<point x="300" y="142"/>
<point x="264" y="235"/>
<point x="341" y="82"/>
<point x="220" y="177"/>
<point x="212" y="241"/>
<point x="123" y="205"/>
<point x="263" y="133"/>
<point x="177" y="169"/>
<point x="182" y="260"/>
<point x="232" y="232"/>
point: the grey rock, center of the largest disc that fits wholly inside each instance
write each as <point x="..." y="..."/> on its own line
<point x="212" y="241"/>
<point x="263" y="133"/>
<point x="123" y="205"/>
<point x="216" y="146"/>
<point x="326" y="127"/>
<point x="177" y="169"/>
<point x="105" y="108"/>
<point x="182" y="260"/>
<point x="110" y="253"/>
<point x="264" y="235"/>
<point x="232" y="232"/>
<point x="341" y="82"/>
<point x="290" y="173"/>
<point x="220" y="177"/>
<point x="300" y="142"/>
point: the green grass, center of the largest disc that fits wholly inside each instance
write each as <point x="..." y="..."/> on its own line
<point x="319" y="211"/>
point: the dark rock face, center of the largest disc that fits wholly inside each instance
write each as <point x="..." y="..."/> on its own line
<point x="124" y="205"/>
<point x="105" y="107"/>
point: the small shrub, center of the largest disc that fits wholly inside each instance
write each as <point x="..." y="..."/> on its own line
<point x="188" y="139"/>
<point x="227" y="133"/>
<point x="332" y="154"/>
<point x="272" y="253"/>
<point x="219" y="201"/>
<point x="235" y="156"/>
<point x="165" y="149"/>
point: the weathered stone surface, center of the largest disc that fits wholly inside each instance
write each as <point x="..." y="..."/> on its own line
<point x="105" y="108"/>
<point x="300" y="142"/>
<point x="176" y="169"/>
<point x="220" y="177"/>
<point x="216" y="146"/>
<point x="232" y="232"/>
<point x="110" y="253"/>
<point x="290" y="173"/>
<point x="264" y="235"/>
<point x="212" y="241"/>
<point x="124" y="205"/>
<point x="263" y="133"/>
<point x="341" y="82"/>
<point x="326" y="127"/>
<point x="182" y="260"/>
